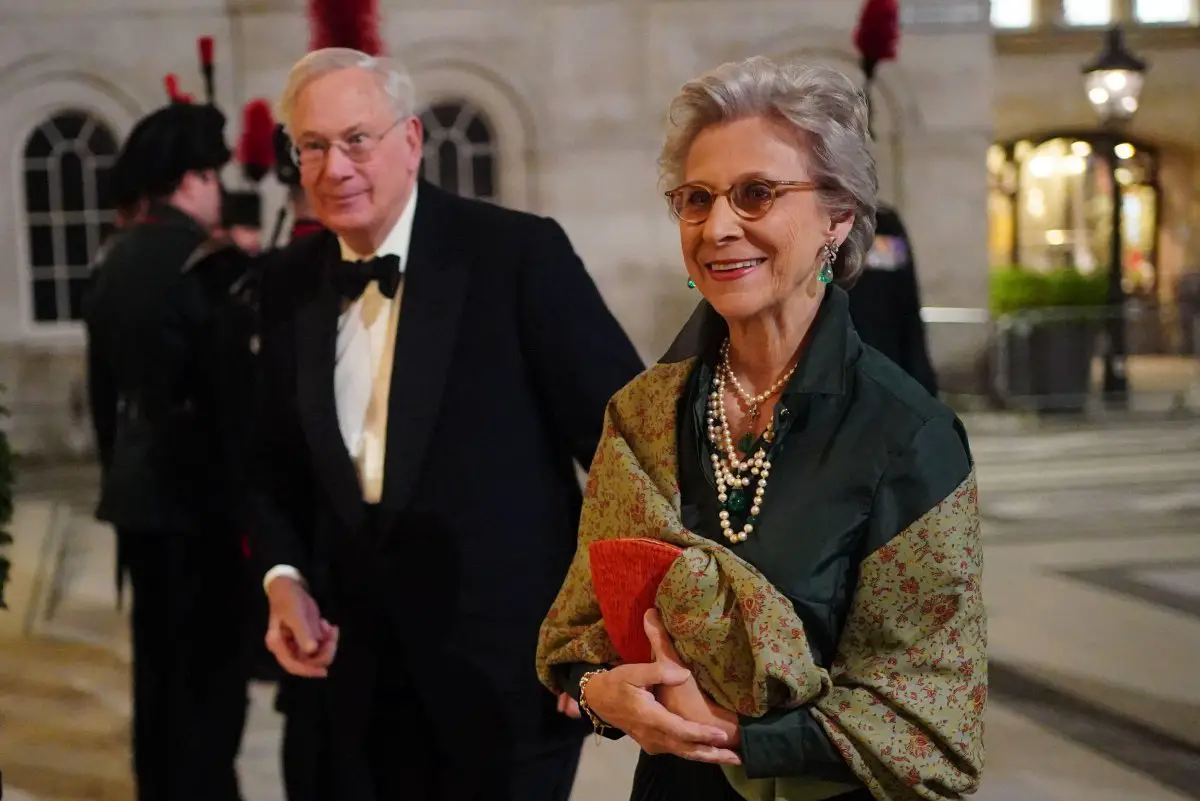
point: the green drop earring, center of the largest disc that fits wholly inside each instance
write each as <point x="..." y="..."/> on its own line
<point x="691" y="284"/>
<point x="829" y="253"/>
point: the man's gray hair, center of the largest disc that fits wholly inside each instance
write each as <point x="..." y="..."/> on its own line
<point x="829" y="116"/>
<point x="394" y="79"/>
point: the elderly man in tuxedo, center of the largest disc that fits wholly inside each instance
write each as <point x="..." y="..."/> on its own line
<point x="434" y="369"/>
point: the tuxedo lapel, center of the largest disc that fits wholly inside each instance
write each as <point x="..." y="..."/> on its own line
<point x="435" y="282"/>
<point x="316" y="345"/>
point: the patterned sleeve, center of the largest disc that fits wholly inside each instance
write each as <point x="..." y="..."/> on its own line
<point x="910" y="679"/>
<point x="909" y="682"/>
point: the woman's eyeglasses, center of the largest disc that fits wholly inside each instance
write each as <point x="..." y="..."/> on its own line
<point x="750" y="198"/>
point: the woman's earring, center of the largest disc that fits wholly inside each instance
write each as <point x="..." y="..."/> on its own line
<point x="691" y="284"/>
<point x="829" y="253"/>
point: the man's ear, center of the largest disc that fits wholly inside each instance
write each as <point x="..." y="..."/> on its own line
<point x="414" y="135"/>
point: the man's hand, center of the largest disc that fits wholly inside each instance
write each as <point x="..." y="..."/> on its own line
<point x="568" y="706"/>
<point x="301" y="640"/>
<point x="686" y="699"/>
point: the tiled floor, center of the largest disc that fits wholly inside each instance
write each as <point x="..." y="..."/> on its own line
<point x="1026" y="762"/>
<point x="1093" y="590"/>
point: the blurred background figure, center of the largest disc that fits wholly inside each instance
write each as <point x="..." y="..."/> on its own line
<point x="885" y="303"/>
<point x="297" y="207"/>
<point x="154" y="373"/>
<point x="242" y="212"/>
<point x="241" y="220"/>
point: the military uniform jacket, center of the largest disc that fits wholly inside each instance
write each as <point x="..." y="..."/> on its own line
<point x="157" y="378"/>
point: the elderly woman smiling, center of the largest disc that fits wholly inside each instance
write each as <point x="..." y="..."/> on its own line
<point x="819" y="631"/>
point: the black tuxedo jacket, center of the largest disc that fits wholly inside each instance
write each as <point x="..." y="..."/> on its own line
<point x="505" y="358"/>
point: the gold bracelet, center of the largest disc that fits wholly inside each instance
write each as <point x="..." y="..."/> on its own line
<point x="598" y="725"/>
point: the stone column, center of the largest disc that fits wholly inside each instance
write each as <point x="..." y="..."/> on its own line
<point x="945" y="212"/>
<point x="1047" y="13"/>
<point x="943" y="169"/>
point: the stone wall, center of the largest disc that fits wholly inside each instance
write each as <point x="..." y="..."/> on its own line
<point x="577" y="93"/>
<point x="45" y="392"/>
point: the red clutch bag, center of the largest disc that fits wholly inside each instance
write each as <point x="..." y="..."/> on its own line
<point x="626" y="574"/>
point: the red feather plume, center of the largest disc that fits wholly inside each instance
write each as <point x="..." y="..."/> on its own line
<point x="256" y="147"/>
<point x="878" y="33"/>
<point x="205" y="46"/>
<point x="345" y="23"/>
<point x="171" y="82"/>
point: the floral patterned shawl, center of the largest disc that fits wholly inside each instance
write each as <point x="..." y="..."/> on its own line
<point x="902" y="702"/>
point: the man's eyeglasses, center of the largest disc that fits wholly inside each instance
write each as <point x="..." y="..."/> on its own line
<point x="358" y="146"/>
<point x="750" y="198"/>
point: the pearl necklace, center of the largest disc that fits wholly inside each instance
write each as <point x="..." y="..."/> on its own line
<point x="752" y="402"/>
<point x="731" y="471"/>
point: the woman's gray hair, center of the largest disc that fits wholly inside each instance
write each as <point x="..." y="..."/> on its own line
<point x="827" y="112"/>
<point x="394" y="79"/>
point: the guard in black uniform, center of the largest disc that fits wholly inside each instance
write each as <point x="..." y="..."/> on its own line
<point x="304" y="222"/>
<point x="885" y="303"/>
<point x="242" y="220"/>
<point x="242" y="255"/>
<point x="156" y="393"/>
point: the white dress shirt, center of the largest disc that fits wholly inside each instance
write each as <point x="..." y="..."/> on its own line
<point x="362" y="368"/>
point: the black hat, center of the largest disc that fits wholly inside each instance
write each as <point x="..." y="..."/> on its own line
<point x="241" y="208"/>
<point x="125" y="193"/>
<point x="286" y="171"/>
<point x="888" y="223"/>
<point x="167" y="144"/>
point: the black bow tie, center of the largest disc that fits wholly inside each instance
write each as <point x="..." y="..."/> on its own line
<point x="351" y="277"/>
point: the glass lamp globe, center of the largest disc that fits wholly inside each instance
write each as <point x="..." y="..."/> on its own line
<point x="1114" y="80"/>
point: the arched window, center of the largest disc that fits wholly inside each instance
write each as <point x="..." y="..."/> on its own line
<point x="68" y="209"/>
<point x="460" y="150"/>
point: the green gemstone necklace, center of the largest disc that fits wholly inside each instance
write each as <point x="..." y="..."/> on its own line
<point x="735" y="472"/>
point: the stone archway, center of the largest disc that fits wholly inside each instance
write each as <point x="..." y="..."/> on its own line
<point x="32" y="92"/>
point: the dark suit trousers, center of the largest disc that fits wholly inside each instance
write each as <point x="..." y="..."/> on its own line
<point x="403" y="728"/>
<point x="306" y="753"/>
<point x="189" y="671"/>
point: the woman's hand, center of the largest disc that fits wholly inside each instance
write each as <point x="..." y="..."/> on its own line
<point x="686" y="699"/>
<point x="624" y="699"/>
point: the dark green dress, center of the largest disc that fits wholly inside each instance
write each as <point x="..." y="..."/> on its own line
<point x="861" y="452"/>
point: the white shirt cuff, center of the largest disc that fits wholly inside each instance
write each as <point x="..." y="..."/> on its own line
<point x="280" y="571"/>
